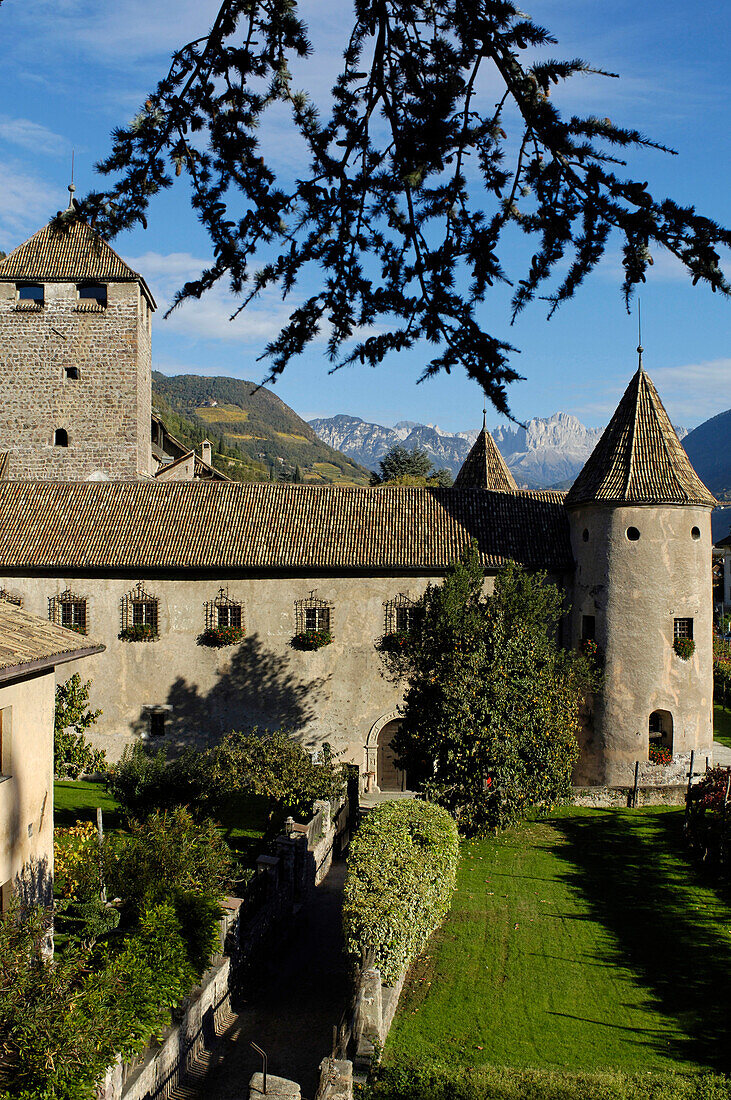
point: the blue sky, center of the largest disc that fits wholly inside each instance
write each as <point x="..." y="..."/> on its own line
<point x="72" y="70"/>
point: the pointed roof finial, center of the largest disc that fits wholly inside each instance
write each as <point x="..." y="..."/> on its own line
<point x="484" y="415"/>
<point x="71" y="187"/>
<point x="640" y="349"/>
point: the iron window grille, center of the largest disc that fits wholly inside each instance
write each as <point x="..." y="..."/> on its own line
<point x="69" y="610"/>
<point x="683" y="628"/>
<point x="402" y="615"/>
<point x="223" y="612"/>
<point x="8" y="597"/>
<point x="140" y="610"/>
<point x="313" y="614"/>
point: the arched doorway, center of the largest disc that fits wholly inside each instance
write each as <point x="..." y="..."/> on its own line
<point x="388" y="776"/>
<point x="661" y="729"/>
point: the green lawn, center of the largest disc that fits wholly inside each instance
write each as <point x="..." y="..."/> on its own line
<point x="721" y="725"/>
<point x="580" y="942"/>
<point x="244" y="819"/>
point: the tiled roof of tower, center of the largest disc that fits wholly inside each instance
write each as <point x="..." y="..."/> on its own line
<point x="67" y="253"/>
<point x="485" y="467"/>
<point x="639" y="458"/>
<point x="28" y="642"/>
<point x="215" y="525"/>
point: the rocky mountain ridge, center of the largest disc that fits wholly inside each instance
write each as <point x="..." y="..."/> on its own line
<point x="548" y="450"/>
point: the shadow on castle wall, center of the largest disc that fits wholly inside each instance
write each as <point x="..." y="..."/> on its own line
<point x="255" y="688"/>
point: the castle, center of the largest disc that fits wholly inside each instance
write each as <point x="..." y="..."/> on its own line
<point x="108" y="529"/>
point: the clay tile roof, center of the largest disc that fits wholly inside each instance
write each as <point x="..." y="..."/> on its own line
<point x="484" y="467"/>
<point x="205" y="524"/>
<point x="4" y="464"/>
<point x="28" y="643"/>
<point x="639" y="458"/>
<point x="67" y="253"/>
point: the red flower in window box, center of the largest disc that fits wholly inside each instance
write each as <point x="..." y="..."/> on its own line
<point x="218" y="636"/>
<point x="684" y="647"/>
<point x="311" y="639"/>
<point x="659" y="754"/>
<point x="140" y="632"/>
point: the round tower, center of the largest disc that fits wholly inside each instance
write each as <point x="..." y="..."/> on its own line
<point x="640" y="521"/>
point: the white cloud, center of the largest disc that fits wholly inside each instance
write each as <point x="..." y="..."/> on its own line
<point x="30" y="135"/>
<point x="694" y="391"/>
<point x="27" y="203"/>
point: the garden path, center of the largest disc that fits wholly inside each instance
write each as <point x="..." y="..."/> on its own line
<point x="721" y="755"/>
<point x="290" y="1013"/>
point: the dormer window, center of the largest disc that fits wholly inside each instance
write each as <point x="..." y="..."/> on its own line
<point x="31" y="296"/>
<point x="92" y="296"/>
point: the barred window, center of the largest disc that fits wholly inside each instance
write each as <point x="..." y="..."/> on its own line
<point x="69" y="610"/>
<point x="683" y="628"/>
<point x="313" y="614"/>
<point x="9" y="597"/>
<point x="224" y="612"/>
<point x="140" y="609"/>
<point x="402" y="615"/>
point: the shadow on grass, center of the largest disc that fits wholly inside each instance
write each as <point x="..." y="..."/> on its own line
<point x="633" y="872"/>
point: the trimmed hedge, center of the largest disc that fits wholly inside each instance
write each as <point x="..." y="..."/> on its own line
<point x="401" y="874"/>
<point x="440" y="1082"/>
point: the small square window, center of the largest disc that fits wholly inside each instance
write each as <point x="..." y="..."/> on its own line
<point x="588" y="628"/>
<point x="69" y="610"/>
<point x="71" y="374"/>
<point x="229" y="615"/>
<point x="93" y="292"/>
<point x="407" y="619"/>
<point x="31" y="292"/>
<point x="683" y="628"/>
<point x="317" y="618"/>
<point x="157" y="723"/>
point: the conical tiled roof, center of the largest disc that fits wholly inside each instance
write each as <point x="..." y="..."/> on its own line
<point x="484" y="467"/>
<point x="67" y="253"/>
<point x="639" y="458"/>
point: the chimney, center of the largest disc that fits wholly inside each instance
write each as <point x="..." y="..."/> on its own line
<point x="207" y="452"/>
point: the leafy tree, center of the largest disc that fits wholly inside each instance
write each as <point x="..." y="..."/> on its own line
<point x="409" y="189"/>
<point x="143" y="781"/>
<point x="491" y="714"/>
<point x="274" y="765"/>
<point x="404" y="466"/>
<point x="72" y="753"/>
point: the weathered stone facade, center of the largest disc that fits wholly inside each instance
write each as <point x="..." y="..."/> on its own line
<point x="105" y="411"/>
<point x="339" y="694"/>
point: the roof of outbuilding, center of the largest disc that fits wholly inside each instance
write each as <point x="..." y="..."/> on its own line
<point x="67" y="253"/>
<point x="639" y="458"/>
<point x="28" y="643"/>
<point x="213" y="525"/>
<point x="485" y="467"/>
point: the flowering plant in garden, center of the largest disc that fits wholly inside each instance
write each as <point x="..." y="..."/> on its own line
<point x="660" y="754"/>
<point x="73" y="850"/>
<point x="221" y="635"/>
<point x="311" y="639"/>
<point x="398" y="641"/>
<point x="684" y="647"/>
<point x="592" y="651"/>
<point x="140" y="632"/>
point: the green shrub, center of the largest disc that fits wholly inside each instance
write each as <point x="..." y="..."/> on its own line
<point x="275" y="766"/>
<point x="72" y="754"/>
<point x="165" y="855"/>
<point x="63" y="1023"/>
<point x="401" y="874"/>
<point x="439" y="1082"/>
<point x="144" y="781"/>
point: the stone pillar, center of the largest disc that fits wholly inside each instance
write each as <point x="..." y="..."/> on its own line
<point x="278" y="1088"/>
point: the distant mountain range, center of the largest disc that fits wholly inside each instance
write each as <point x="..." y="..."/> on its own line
<point x="709" y="449"/>
<point x="546" y="452"/>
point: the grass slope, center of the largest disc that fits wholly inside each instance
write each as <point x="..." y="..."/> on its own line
<point x="577" y="943"/>
<point x="721" y="725"/>
<point x="256" y="431"/>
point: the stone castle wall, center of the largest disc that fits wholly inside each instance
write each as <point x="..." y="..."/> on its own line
<point x="106" y="412"/>
<point x="335" y="694"/>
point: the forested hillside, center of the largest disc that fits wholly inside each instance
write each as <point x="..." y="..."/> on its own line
<point x="256" y="436"/>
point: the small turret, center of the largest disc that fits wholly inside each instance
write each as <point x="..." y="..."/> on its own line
<point x="641" y="536"/>
<point x="485" y="467"/>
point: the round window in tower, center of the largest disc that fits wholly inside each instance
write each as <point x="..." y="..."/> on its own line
<point x="633" y="534"/>
<point x="585" y="534"/>
<point x="695" y="533"/>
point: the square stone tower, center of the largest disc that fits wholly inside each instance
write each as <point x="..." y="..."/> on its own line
<point x="75" y="364"/>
